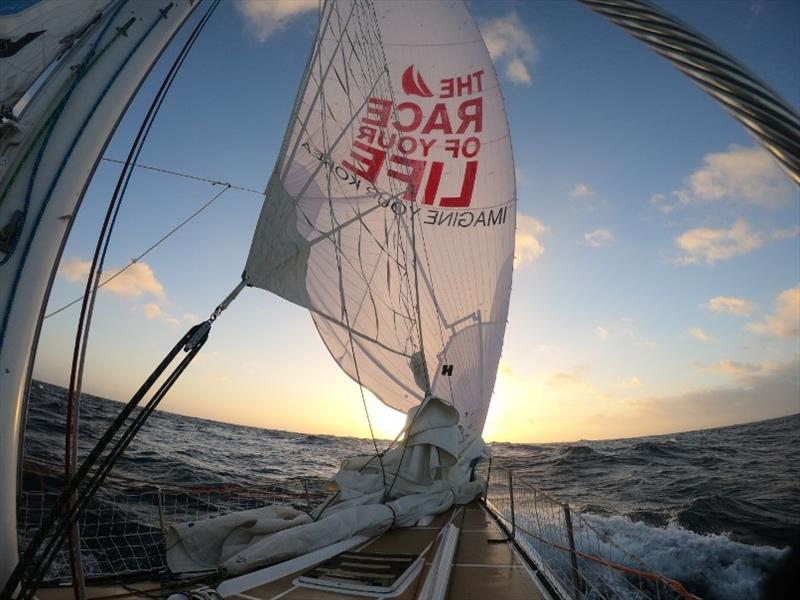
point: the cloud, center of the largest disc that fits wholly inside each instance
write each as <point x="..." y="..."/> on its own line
<point x="153" y="311"/>
<point x="573" y="381"/>
<point x="786" y="234"/>
<point x="581" y="190"/>
<point x="510" y="46"/>
<point x="710" y="246"/>
<point x="74" y="269"/>
<point x="517" y="71"/>
<point x="571" y="405"/>
<point x="265" y="17"/>
<point x="742" y="370"/>
<point x="748" y="176"/>
<point x="667" y="204"/>
<point x="730" y="305"/>
<point x="785" y="321"/>
<point x="599" y="238"/>
<point x="527" y="247"/>
<point x="632" y="383"/>
<point x="623" y="329"/>
<point x="700" y="335"/>
<point x="759" y="394"/>
<point x="135" y="281"/>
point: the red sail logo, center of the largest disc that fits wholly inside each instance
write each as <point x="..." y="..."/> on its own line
<point x="414" y="84"/>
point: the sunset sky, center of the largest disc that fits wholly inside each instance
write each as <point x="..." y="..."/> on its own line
<point x="658" y="247"/>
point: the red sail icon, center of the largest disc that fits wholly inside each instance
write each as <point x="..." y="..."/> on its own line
<point x="414" y="84"/>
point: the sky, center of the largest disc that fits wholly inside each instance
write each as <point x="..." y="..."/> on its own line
<point x="657" y="286"/>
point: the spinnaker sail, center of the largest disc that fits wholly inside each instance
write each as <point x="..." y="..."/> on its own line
<point x="390" y="212"/>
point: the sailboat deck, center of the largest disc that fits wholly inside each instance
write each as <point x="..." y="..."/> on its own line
<point x="480" y="569"/>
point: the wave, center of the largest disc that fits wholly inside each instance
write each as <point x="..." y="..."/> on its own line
<point x="736" y="517"/>
<point x="658" y="449"/>
<point x="711" y="566"/>
<point x="686" y="503"/>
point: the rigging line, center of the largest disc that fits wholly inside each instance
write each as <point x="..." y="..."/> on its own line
<point x="34" y="564"/>
<point x="26" y="572"/>
<point x="415" y="266"/>
<point x="136" y="259"/>
<point x="320" y="86"/>
<point x="232" y="186"/>
<point x="111" y="216"/>
<point x="96" y="269"/>
<point x="337" y="248"/>
<point x="317" y="169"/>
<point x="416" y="277"/>
<point x="746" y="98"/>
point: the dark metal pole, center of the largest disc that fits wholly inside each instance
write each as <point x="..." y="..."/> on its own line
<point x="488" y="481"/>
<point x="511" y="496"/>
<point x="576" y="579"/>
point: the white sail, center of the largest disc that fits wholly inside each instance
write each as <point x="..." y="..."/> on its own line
<point x="32" y="34"/>
<point x="390" y="213"/>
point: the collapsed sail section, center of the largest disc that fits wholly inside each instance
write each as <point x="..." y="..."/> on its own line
<point x="35" y="32"/>
<point x="390" y="212"/>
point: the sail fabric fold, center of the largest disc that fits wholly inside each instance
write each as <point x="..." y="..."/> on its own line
<point x="205" y="548"/>
<point x="33" y="33"/>
<point x="390" y="212"/>
<point x="425" y="476"/>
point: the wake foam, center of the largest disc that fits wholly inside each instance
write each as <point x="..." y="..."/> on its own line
<point x="711" y="566"/>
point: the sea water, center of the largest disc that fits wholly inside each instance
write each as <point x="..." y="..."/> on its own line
<point x="715" y="509"/>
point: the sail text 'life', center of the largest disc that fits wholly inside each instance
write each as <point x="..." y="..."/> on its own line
<point x="416" y="142"/>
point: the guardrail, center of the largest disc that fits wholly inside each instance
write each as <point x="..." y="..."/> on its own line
<point x="123" y="528"/>
<point x="577" y="560"/>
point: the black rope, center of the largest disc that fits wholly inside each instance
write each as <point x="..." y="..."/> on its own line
<point x="32" y="568"/>
<point x="40" y="553"/>
<point x="101" y="248"/>
<point x="35" y="561"/>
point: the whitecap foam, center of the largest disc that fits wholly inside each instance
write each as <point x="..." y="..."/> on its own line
<point x="709" y="565"/>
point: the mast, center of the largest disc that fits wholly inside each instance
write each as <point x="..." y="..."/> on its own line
<point x="47" y="158"/>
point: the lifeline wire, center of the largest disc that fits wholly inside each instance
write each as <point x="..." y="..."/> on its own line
<point x="140" y="256"/>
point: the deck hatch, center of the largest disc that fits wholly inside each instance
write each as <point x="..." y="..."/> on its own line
<point x="362" y="572"/>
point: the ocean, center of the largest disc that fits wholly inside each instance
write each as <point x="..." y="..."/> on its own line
<point x="715" y="509"/>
